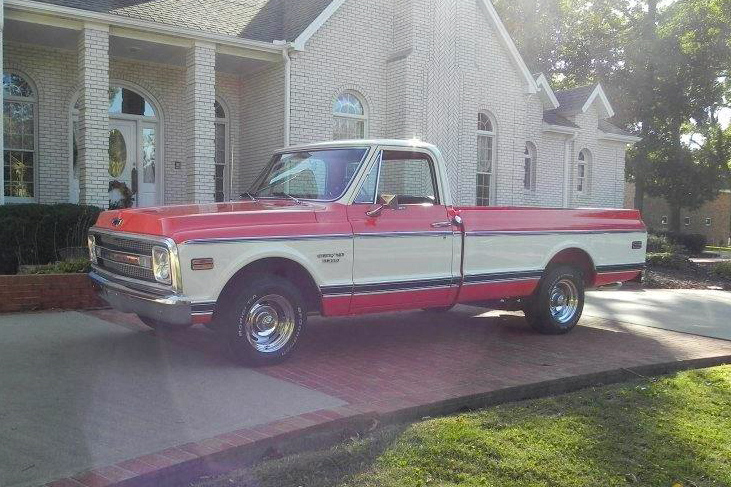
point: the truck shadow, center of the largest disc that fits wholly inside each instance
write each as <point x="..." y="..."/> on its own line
<point x="371" y="359"/>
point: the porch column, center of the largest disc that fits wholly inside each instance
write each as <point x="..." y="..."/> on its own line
<point x="2" y="142"/>
<point x="200" y="97"/>
<point x="93" y="72"/>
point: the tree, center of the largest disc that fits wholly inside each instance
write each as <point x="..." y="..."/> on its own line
<point x="666" y="70"/>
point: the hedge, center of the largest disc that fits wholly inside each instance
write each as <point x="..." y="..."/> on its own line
<point x="35" y="234"/>
<point x="694" y="242"/>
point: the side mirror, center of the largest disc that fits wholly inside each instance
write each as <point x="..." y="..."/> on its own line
<point x="387" y="201"/>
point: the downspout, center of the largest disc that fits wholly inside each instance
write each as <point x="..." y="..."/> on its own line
<point x="286" y="47"/>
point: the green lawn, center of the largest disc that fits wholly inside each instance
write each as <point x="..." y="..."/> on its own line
<point x="673" y="431"/>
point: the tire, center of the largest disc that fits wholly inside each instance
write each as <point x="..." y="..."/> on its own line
<point x="263" y="320"/>
<point x="556" y="307"/>
<point x="162" y="326"/>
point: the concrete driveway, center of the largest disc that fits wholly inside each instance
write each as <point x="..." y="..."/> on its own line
<point x="699" y="312"/>
<point x="79" y="392"/>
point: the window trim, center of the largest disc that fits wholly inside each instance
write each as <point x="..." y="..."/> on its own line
<point x="228" y="166"/>
<point x="586" y="162"/>
<point x="532" y="150"/>
<point x="36" y="155"/>
<point x="364" y="118"/>
<point x="493" y="134"/>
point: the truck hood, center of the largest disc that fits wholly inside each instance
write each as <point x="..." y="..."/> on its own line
<point x="214" y="221"/>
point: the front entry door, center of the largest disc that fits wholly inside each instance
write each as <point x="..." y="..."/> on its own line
<point x="403" y="257"/>
<point x="123" y="151"/>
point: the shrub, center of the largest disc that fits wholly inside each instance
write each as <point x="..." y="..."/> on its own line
<point x="39" y="234"/>
<point x="694" y="242"/>
<point x="657" y="244"/>
<point x="669" y="260"/>
<point x="722" y="269"/>
<point x="78" y="266"/>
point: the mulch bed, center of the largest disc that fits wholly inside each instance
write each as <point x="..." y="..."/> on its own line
<point x="696" y="276"/>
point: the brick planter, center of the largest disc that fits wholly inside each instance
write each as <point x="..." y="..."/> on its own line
<point x="41" y="292"/>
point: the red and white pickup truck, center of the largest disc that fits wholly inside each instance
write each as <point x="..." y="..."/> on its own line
<point x="349" y="228"/>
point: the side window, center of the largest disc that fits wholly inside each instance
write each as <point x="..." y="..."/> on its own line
<point x="367" y="193"/>
<point x="410" y="176"/>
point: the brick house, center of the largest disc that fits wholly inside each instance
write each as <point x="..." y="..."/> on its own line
<point x="184" y="100"/>
<point x="713" y="219"/>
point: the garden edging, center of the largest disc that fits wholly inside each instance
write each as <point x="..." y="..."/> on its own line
<point x="20" y="293"/>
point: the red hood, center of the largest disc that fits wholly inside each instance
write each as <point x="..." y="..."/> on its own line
<point x="224" y="220"/>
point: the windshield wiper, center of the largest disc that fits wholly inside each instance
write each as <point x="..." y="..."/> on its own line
<point x="251" y="196"/>
<point x="288" y="196"/>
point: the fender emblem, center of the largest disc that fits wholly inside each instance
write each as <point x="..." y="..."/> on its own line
<point x="117" y="222"/>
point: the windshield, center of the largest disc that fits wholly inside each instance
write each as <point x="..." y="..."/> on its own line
<point x="310" y="175"/>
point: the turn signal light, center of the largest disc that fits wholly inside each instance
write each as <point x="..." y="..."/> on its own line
<point x="201" y="264"/>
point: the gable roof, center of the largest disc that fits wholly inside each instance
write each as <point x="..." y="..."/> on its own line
<point x="579" y="100"/>
<point x="547" y="93"/>
<point x="260" y="20"/>
<point x="552" y="118"/>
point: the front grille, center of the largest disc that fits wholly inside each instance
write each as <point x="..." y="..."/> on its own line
<point x="139" y="247"/>
<point x="127" y="270"/>
<point x="108" y="244"/>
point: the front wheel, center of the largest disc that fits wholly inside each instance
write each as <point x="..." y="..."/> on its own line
<point x="557" y="306"/>
<point x="263" y="321"/>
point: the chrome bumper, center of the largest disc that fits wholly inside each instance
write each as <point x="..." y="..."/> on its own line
<point x="173" y="310"/>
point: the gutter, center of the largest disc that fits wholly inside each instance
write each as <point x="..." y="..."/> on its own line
<point x="140" y="25"/>
<point x="286" y="48"/>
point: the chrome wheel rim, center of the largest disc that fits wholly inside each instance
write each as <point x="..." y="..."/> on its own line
<point x="270" y="323"/>
<point x="564" y="301"/>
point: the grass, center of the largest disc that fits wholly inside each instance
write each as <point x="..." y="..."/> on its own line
<point x="674" y="431"/>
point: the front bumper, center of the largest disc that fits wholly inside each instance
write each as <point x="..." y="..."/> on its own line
<point x="173" y="310"/>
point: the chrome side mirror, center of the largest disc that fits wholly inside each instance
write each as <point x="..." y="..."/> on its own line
<point x="388" y="201"/>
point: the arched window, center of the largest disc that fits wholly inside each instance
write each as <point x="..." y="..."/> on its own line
<point x="20" y="103"/>
<point x="134" y="149"/>
<point x="350" y="117"/>
<point x="223" y="163"/>
<point x="530" y="163"/>
<point x="583" y="167"/>
<point x="485" y="159"/>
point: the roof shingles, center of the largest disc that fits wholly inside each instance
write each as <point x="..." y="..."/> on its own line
<point x="261" y="20"/>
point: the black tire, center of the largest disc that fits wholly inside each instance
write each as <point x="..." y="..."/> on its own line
<point x="262" y="300"/>
<point x="162" y="326"/>
<point x="557" y="305"/>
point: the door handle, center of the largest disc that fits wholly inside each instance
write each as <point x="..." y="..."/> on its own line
<point x="442" y="225"/>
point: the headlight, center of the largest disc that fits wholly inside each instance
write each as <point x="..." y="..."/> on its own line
<point x="161" y="265"/>
<point x="92" y="248"/>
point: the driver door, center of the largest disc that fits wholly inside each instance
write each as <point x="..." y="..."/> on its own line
<point x="403" y="256"/>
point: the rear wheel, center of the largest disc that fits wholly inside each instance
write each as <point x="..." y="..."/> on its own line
<point x="557" y="306"/>
<point x="263" y="321"/>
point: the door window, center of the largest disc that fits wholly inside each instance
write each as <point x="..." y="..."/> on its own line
<point x="408" y="175"/>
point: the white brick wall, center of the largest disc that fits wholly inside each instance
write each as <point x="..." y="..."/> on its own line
<point x="200" y="97"/>
<point x="262" y="122"/>
<point x="439" y="62"/>
<point x="93" y="76"/>
<point x="424" y="68"/>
